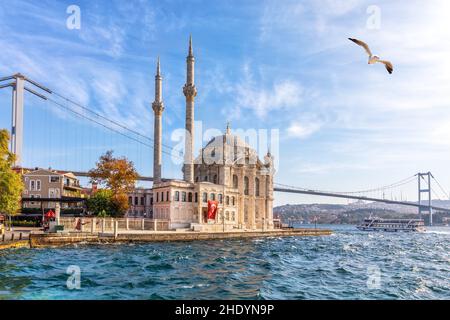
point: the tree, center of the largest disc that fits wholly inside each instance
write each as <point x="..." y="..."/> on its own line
<point x="117" y="175"/>
<point x="102" y="204"/>
<point x="11" y="185"/>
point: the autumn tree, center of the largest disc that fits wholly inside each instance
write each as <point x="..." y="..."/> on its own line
<point x="11" y="185"/>
<point x="117" y="175"/>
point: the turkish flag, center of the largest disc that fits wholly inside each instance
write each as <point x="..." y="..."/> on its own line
<point x="50" y="214"/>
<point x="212" y="209"/>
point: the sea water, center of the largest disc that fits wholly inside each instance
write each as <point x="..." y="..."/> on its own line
<point x="349" y="264"/>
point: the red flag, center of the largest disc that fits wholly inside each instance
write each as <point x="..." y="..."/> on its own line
<point x="212" y="209"/>
<point x="50" y="214"/>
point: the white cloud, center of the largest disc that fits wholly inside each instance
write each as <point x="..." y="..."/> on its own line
<point x="263" y="98"/>
<point x="303" y="130"/>
<point x="286" y="94"/>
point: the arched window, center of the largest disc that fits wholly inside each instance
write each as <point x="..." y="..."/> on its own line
<point x="257" y="187"/>
<point x="235" y="181"/>
<point x="233" y="217"/>
<point x="227" y="200"/>
<point x="215" y="179"/>
<point x="157" y="197"/>
<point x="232" y="201"/>
<point x="196" y="197"/>
<point x="220" y="196"/>
<point x="212" y="196"/>
<point x="167" y="196"/>
<point x="246" y="186"/>
<point x="227" y="216"/>
<point x="177" y="196"/>
<point x="190" y="197"/>
<point x="205" y="197"/>
<point x="183" y="196"/>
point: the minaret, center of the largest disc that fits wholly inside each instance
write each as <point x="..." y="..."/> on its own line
<point x="190" y="92"/>
<point x="158" y="108"/>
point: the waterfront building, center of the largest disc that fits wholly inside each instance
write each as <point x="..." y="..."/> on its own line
<point x="227" y="170"/>
<point x="47" y="183"/>
<point x="140" y="203"/>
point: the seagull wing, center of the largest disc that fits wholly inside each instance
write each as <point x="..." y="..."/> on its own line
<point x="388" y="65"/>
<point x="362" y="44"/>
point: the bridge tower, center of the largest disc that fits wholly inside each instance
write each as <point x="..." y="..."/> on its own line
<point x="18" y="90"/>
<point x="18" y="87"/>
<point x="425" y="179"/>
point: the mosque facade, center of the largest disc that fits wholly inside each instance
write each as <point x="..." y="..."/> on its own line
<point x="227" y="173"/>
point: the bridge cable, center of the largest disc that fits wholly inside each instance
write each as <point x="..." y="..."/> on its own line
<point x="107" y="119"/>
<point x="107" y="127"/>
<point x="390" y="186"/>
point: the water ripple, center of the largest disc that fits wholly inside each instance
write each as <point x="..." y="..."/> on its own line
<point x="410" y="266"/>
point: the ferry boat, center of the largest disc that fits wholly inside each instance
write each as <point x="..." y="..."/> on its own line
<point x="392" y="225"/>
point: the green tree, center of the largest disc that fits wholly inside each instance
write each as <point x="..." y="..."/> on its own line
<point x="11" y="185"/>
<point x="102" y="204"/>
<point x="117" y="175"/>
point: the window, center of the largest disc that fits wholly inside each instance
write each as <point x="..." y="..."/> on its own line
<point x="53" y="192"/>
<point x="215" y="179"/>
<point x="130" y="201"/>
<point x="32" y="185"/>
<point x="227" y="200"/>
<point x="196" y="197"/>
<point x="206" y="178"/>
<point x="235" y="181"/>
<point x="220" y="196"/>
<point x="257" y="187"/>
<point x="167" y="196"/>
<point x="54" y="179"/>
<point x="183" y="196"/>
<point x="190" y="197"/>
<point x="227" y="216"/>
<point x="142" y="201"/>
<point x="157" y="197"/>
<point x="136" y="201"/>
<point x="177" y="196"/>
<point x="205" y="197"/>
<point x="162" y="196"/>
<point x="151" y="201"/>
<point x="233" y="217"/>
<point x="212" y="196"/>
<point x="246" y="186"/>
<point x="232" y="201"/>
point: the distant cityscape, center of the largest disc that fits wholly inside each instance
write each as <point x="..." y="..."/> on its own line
<point x="354" y="213"/>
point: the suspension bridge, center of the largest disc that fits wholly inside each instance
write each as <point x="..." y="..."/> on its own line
<point x="91" y="133"/>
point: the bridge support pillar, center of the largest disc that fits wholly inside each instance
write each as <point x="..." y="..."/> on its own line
<point x="425" y="179"/>
<point x="17" y="118"/>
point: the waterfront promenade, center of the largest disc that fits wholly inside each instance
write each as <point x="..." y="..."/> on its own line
<point x="125" y="230"/>
<point x="58" y="239"/>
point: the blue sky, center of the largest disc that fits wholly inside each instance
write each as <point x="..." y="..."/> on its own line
<point x="285" y="65"/>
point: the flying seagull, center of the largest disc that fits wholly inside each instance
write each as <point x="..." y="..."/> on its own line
<point x="373" y="58"/>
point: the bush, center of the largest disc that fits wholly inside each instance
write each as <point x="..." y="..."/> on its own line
<point x="25" y="223"/>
